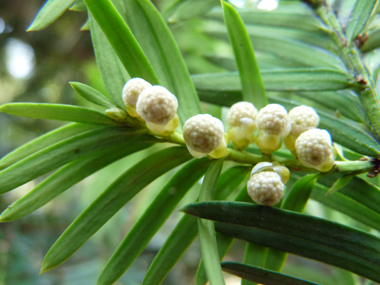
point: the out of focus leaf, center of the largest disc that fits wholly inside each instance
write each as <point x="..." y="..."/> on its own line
<point x="152" y="219"/>
<point x="57" y="112"/>
<point x="358" y="18"/>
<point x="91" y="94"/>
<point x="225" y="242"/>
<point x="186" y="230"/>
<point x="61" y="153"/>
<point x="308" y="236"/>
<point x="207" y="238"/>
<point x="346" y="205"/>
<point x="340" y="183"/>
<point x="358" y="190"/>
<point x="71" y="174"/>
<point x="285" y="48"/>
<point x="110" y="201"/>
<point x="122" y="40"/>
<point x="249" y="73"/>
<point x="274" y="18"/>
<point x="262" y="276"/>
<point x="111" y="69"/>
<point x="44" y="141"/>
<point x="372" y="42"/>
<point x="159" y="46"/>
<point x="190" y="9"/>
<point x="78" y="6"/>
<point x="50" y="12"/>
<point x="313" y="79"/>
<point x="344" y="101"/>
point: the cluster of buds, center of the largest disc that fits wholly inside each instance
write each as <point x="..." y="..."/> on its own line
<point x="153" y="104"/>
<point x="204" y="134"/>
<point x="312" y="146"/>
<point x="267" y="183"/>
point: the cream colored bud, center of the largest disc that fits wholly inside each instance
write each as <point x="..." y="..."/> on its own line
<point x="131" y="91"/>
<point x="203" y="134"/>
<point x="267" y="143"/>
<point x="241" y="110"/>
<point x="241" y="118"/>
<point x="273" y="119"/>
<point x="302" y="119"/>
<point x="314" y="149"/>
<point x="157" y="107"/>
<point x="265" y="188"/>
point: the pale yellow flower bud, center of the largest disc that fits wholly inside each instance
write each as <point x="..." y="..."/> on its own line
<point x="158" y="108"/>
<point x="241" y="118"/>
<point x="273" y="119"/>
<point x="203" y="135"/>
<point x="314" y="149"/>
<point x="265" y="188"/>
<point x="303" y="118"/>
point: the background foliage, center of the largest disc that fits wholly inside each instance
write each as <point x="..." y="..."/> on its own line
<point x="299" y="64"/>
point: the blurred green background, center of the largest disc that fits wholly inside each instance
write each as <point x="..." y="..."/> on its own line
<point x="36" y="67"/>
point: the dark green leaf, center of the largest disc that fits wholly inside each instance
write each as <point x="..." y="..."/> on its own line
<point x="44" y="141"/>
<point x="358" y="190"/>
<point x="255" y="254"/>
<point x="61" y="153"/>
<point x="295" y="200"/>
<point x="152" y="219"/>
<point x="122" y="40"/>
<point x="308" y="236"/>
<point x="359" y="17"/>
<point x="249" y="73"/>
<point x="110" y="201"/>
<point x="186" y="230"/>
<point x="91" y="94"/>
<point x="57" y="112"/>
<point x="344" y="101"/>
<point x="278" y="80"/>
<point x="50" y="12"/>
<point x="346" y="205"/>
<point x="71" y="174"/>
<point x="111" y="69"/>
<point x="260" y="275"/>
<point x="160" y="48"/>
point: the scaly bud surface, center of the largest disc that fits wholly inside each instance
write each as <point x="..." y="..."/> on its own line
<point x="273" y="119"/>
<point x="314" y="149"/>
<point x="303" y="118"/>
<point x="157" y="107"/>
<point x="204" y="134"/>
<point x="241" y="118"/>
<point x="239" y="111"/>
<point x="131" y="91"/>
<point x="265" y="188"/>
